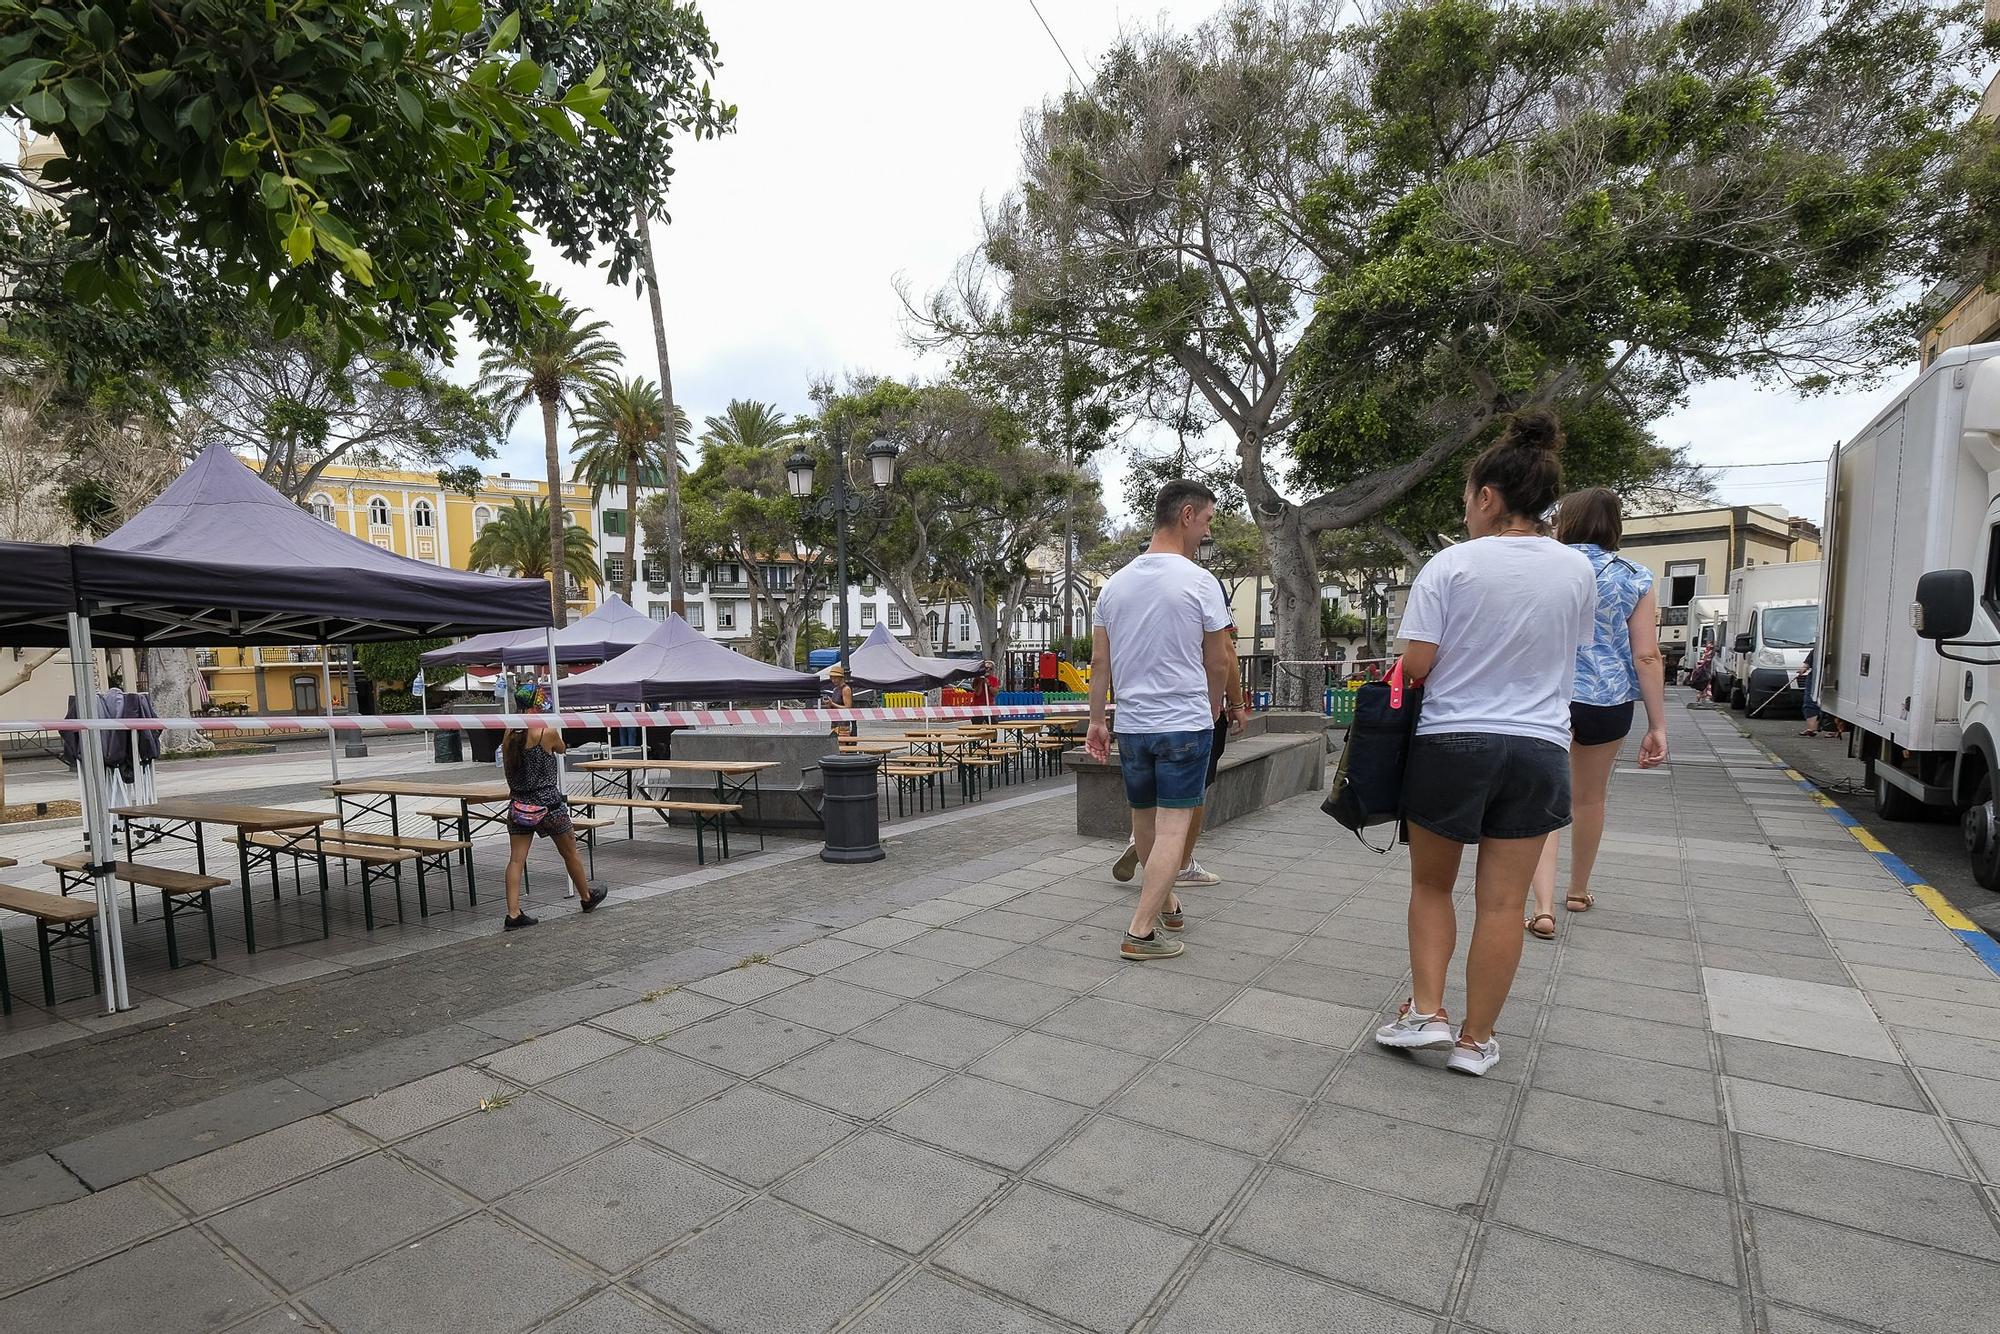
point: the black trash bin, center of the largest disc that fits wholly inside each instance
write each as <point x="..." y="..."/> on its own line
<point x="850" y="813"/>
<point x="485" y="745"/>
<point x="447" y="747"/>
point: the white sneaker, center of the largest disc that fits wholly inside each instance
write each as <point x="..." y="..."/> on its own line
<point x="1473" y="1058"/>
<point x="1193" y="874"/>
<point x="1416" y="1032"/>
<point x="1127" y="863"/>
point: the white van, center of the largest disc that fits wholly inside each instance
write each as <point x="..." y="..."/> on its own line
<point x="1773" y="623"/>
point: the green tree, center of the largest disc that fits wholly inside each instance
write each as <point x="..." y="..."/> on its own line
<point x="393" y="667"/>
<point x="622" y="440"/>
<point x="752" y="424"/>
<point x="518" y="539"/>
<point x="555" y="363"/>
<point x="1361" y="245"/>
<point x="343" y="156"/>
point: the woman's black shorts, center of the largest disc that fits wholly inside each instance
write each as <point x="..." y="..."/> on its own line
<point x="1599" y="724"/>
<point x="1215" y="748"/>
<point x="1466" y="786"/>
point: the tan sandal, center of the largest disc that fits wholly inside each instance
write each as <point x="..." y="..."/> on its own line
<point x="1587" y="899"/>
<point x="1536" y="931"/>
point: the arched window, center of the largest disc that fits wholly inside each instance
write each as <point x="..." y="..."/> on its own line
<point x="378" y="512"/>
<point x="481" y="516"/>
<point x="322" y="508"/>
<point x="420" y="514"/>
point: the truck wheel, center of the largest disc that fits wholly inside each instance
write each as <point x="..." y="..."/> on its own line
<point x="1892" y="803"/>
<point x="1982" y="836"/>
<point x="1737" y="700"/>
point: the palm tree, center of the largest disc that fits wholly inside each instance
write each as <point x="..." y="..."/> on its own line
<point x="556" y="358"/>
<point x="748" y="422"/>
<point x="517" y="539"/>
<point x="676" y="593"/>
<point x="621" y="434"/>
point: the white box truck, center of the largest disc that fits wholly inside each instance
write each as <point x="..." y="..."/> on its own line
<point x="1773" y="622"/>
<point x="1707" y="615"/>
<point x="1918" y="490"/>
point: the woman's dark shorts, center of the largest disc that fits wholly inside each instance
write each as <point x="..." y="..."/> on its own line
<point x="1215" y="745"/>
<point x="555" y="823"/>
<point x="1599" y="724"/>
<point x="1466" y="786"/>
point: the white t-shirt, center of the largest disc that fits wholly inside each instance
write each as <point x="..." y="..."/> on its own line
<point x="1508" y="615"/>
<point x="1155" y="612"/>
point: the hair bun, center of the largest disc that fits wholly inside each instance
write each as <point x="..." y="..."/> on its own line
<point x="1535" y="428"/>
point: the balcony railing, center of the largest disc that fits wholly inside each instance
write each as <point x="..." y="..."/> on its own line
<point x="1673" y="616"/>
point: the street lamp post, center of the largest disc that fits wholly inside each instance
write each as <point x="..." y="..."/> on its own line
<point x="841" y="505"/>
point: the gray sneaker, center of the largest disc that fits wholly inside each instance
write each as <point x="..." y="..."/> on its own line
<point x="1127" y="863"/>
<point x="1159" y="947"/>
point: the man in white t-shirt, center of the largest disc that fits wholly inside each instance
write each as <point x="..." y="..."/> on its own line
<point x="1163" y="641"/>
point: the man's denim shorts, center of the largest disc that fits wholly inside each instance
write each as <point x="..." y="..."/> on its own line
<point x="1167" y="769"/>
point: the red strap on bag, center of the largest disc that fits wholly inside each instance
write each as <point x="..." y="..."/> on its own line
<point x="1396" y="685"/>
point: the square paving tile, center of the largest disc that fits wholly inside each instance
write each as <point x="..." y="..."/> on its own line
<point x="1221" y="1111"/>
<point x="1060" y="1068"/>
<point x="769" y="1269"/>
<point x="663" y="1014"/>
<point x="1797" y="1014"/>
<point x="1915" y="1206"/>
<point x="48" y="1241"/>
<point x="1511" y="1293"/>
<point x="1339" y="986"/>
<point x="1330" y="1228"/>
<point x="1641" y="1039"/>
<point x="854" y="1078"/>
<point x="927" y="1033"/>
<point x="819" y="956"/>
<point x="1169" y="990"/>
<point x="891" y="1190"/>
<point x="1966" y="1097"/>
<point x="928" y="1304"/>
<point x="255" y="1165"/>
<point x="1059" y="968"/>
<point x="1873" y="1281"/>
<point x="538" y="1059"/>
<point x="959" y="947"/>
<point x="1297" y="1017"/>
<point x="1394" y="1085"/>
<point x="478" y="1274"/>
<point x="1374" y="1150"/>
<point x="904" y="975"/>
<point x="181" y="1283"/>
<point x="744" y="1041"/>
<point x="1605" y="1135"/>
<point x="752" y="1134"/>
<point x="882" y="932"/>
<point x="423" y="1104"/>
<point x="1865" y="1129"/>
<point x="1823" y="1072"/>
<point x="1636" y="1217"/>
<point x="1135" y="1028"/>
<point x="1229" y="1292"/>
<point x="639" y="1087"/>
<point x="1258" y="1058"/>
<point x="1167" y="1178"/>
<point x="936" y="912"/>
<point x="35" y="1182"/>
<point x="1080" y="1263"/>
<point x="611" y="1312"/>
<point x="322" y="1225"/>
<point x="1003" y="924"/>
<point x="995" y="1123"/>
<point x="619" y="1207"/>
<point x="496" y="1151"/>
<point x="1646" y="1085"/>
<point x="1009" y="1000"/>
<point x="746" y="982"/>
<point x="827" y="1004"/>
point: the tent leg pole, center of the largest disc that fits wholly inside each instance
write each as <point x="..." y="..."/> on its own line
<point x="555" y="696"/>
<point x="110" y="941"/>
<point x="326" y="686"/>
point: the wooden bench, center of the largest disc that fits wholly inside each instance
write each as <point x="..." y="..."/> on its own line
<point x="376" y="864"/>
<point x="56" y="918"/>
<point x="708" y="815"/>
<point x="915" y="780"/>
<point x="180" y="892"/>
<point x="433" y="854"/>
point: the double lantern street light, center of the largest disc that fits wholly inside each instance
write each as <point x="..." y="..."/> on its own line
<point x="841" y="505"/>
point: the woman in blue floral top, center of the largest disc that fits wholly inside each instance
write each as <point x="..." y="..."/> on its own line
<point x="1622" y="666"/>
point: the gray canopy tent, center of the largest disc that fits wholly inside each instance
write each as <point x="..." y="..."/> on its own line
<point x="883" y="663"/>
<point x="221" y="558"/>
<point x="677" y="662"/>
<point x="601" y="636"/>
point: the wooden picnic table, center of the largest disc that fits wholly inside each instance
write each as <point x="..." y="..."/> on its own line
<point x="377" y="796"/>
<point x="182" y="821"/>
<point x="851" y="746"/>
<point x="608" y="776"/>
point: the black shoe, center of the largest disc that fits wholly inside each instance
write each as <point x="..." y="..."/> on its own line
<point x="516" y="923"/>
<point x="596" y="897"/>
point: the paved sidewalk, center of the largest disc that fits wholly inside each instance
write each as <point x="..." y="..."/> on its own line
<point x="1749" y="1092"/>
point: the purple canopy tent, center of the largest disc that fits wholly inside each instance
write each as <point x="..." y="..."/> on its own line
<point x="883" y="663"/>
<point x="677" y="662"/>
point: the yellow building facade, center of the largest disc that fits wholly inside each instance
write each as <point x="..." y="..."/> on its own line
<point x="399" y="510"/>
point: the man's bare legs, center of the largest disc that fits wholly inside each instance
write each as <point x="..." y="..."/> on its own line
<point x="1434" y="863"/>
<point x="1193" y="833"/>
<point x="1589" y="781"/>
<point x="1167" y="826"/>
<point x="1500" y="889"/>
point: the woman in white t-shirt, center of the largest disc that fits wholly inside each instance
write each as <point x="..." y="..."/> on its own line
<point x="1492" y="630"/>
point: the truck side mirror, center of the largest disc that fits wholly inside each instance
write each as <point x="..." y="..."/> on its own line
<point x="1742" y="644"/>
<point x="1944" y="605"/>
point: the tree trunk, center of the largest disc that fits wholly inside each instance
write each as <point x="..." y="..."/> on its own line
<point x="1295" y="607"/>
<point x="557" y="576"/>
<point x="673" y="506"/>
<point x="631" y="527"/>
<point x="176" y="690"/>
<point x="18" y="672"/>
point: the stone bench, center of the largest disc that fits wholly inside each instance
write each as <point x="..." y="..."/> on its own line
<point x="1279" y="757"/>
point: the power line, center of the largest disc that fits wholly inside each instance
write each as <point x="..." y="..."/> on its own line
<point x="1081" y="83"/>
<point x="1782" y="463"/>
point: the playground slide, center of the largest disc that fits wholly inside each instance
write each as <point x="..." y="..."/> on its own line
<point x="1073" y="678"/>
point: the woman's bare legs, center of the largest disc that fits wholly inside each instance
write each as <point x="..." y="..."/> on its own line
<point x="1590" y="780"/>
<point x="517" y="862"/>
<point x="573" y="862"/>
<point x="1434" y="863"/>
<point x="1500" y="889"/>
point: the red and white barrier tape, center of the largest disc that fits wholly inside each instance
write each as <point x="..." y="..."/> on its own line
<point x="495" y="722"/>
